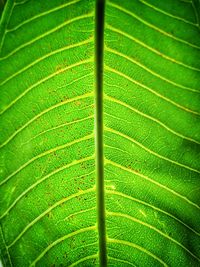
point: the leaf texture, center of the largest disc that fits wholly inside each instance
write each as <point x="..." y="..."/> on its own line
<point x="151" y="87"/>
<point x="49" y="185"/>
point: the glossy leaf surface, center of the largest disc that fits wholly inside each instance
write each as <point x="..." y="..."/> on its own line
<point x="49" y="187"/>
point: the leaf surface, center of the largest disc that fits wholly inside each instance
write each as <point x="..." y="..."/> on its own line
<point x="59" y="112"/>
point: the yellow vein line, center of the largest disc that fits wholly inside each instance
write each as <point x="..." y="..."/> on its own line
<point x="150" y="48"/>
<point x="115" y="117"/>
<point x="130" y="244"/>
<point x="61" y="125"/>
<point x="117" y="214"/>
<point x="168" y="14"/>
<point x="83" y="230"/>
<point x="75" y="162"/>
<point x="114" y="192"/>
<point x="6" y="247"/>
<point x="152" y="26"/>
<point x="149" y="150"/>
<point x="87" y="245"/>
<point x="44" y="80"/>
<point x="149" y="89"/>
<point x="84" y="259"/>
<point x="46" y="56"/>
<point x="44" y="112"/>
<point x="4" y="20"/>
<point x="87" y="137"/>
<point x="80" y="193"/>
<point x="150" y="71"/>
<point x="152" y="181"/>
<point x="150" y="118"/>
<point x="121" y="88"/>
<point x="116" y="148"/>
<point x="195" y="12"/>
<point x="79" y="212"/>
<point x="22" y="2"/>
<point x="43" y="14"/>
<point x="120" y="260"/>
<point x="47" y="33"/>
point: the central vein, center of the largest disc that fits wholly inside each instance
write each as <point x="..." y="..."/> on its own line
<point x="99" y="45"/>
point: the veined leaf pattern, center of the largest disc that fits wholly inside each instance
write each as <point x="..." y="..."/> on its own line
<point x="49" y="185"/>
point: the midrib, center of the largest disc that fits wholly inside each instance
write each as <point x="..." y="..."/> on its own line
<point x="99" y="50"/>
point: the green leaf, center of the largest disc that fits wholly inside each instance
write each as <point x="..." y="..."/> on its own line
<point x="100" y="133"/>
